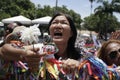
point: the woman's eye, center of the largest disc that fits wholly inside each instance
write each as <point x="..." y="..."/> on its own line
<point x="54" y="22"/>
<point x="62" y="22"/>
<point x="65" y="23"/>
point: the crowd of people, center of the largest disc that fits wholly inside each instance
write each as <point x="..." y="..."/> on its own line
<point x="23" y="58"/>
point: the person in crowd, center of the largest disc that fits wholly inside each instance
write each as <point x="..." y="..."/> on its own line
<point x="15" y="34"/>
<point x="110" y="52"/>
<point x="103" y="66"/>
<point x="15" y="54"/>
<point x="115" y="35"/>
<point x="63" y="32"/>
<point x="9" y="28"/>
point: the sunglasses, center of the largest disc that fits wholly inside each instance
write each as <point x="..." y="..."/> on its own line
<point x="113" y="54"/>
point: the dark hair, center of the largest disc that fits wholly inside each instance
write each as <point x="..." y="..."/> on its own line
<point x="71" y="51"/>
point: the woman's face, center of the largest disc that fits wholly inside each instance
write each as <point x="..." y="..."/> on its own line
<point x="113" y="53"/>
<point x="60" y="30"/>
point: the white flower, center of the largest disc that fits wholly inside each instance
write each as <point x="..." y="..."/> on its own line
<point x="30" y="35"/>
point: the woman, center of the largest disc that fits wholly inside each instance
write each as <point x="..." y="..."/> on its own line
<point x="110" y="52"/>
<point x="17" y="56"/>
<point x="103" y="66"/>
<point x="64" y="33"/>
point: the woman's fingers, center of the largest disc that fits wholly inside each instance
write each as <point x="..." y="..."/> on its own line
<point x="70" y="65"/>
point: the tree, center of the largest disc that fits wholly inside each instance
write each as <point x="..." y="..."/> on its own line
<point x="105" y="11"/>
<point x="16" y="7"/>
<point x="108" y="7"/>
<point x="90" y="23"/>
<point x="29" y="10"/>
<point x="91" y="1"/>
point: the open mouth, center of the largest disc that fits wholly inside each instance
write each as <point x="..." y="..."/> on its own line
<point x="57" y="34"/>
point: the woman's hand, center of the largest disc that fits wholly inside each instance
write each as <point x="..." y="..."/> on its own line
<point x="70" y="65"/>
<point x="118" y="69"/>
<point x="32" y="58"/>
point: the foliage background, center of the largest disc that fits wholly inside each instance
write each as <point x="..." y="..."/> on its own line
<point x="102" y="21"/>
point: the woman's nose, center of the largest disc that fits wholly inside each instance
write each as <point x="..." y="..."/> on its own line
<point x="58" y="25"/>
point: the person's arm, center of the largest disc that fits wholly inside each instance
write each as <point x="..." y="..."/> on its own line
<point x="28" y="54"/>
<point x="8" y="52"/>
